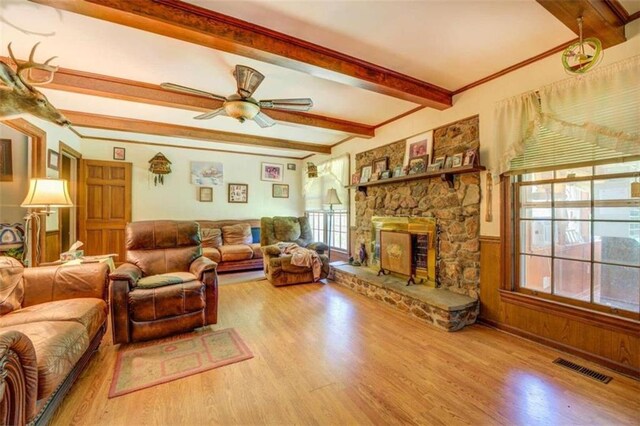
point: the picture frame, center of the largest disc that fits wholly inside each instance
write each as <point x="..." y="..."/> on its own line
<point x="6" y="161"/>
<point x="470" y="157"/>
<point x="397" y="172"/>
<point x="119" y="153"/>
<point x="206" y="173"/>
<point x="440" y="160"/>
<point x="374" y="177"/>
<point x="434" y="167"/>
<point x="448" y="162"/>
<point x="271" y="172"/>
<point x="386" y="174"/>
<point x="418" y="165"/>
<point x="280" y="190"/>
<point x="291" y="166"/>
<point x="456" y="160"/>
<point x="238" y="193"/>
<point x="418" y="149"/>
<point x="365" y="173"/>
<point x="53" y="160"/>
<point x="355" y="178"/>
<point x="205" y="194"/>
<point x="380" y="165"/>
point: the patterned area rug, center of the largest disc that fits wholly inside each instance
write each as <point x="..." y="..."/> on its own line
<point x="140" y="367"/>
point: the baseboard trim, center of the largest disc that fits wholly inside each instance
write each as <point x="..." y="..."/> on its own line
<point x="627" y="370"/>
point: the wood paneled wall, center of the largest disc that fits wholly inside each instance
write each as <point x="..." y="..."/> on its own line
<point x="52" y="246"/>
<point x="598" y="337"/>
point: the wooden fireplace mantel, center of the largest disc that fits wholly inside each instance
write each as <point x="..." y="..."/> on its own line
<point x="446" y="175"/>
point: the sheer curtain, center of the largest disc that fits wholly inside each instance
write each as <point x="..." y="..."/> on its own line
<point x="333" y="173"/>
<point x="587" y="117"/>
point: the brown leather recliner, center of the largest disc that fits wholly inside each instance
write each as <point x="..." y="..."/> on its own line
<point x="166" y="286"/>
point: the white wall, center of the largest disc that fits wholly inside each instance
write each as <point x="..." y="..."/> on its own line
<point x="177" y="198"/>
<point x="480" y="101"/>
<point x="13" y="193"/>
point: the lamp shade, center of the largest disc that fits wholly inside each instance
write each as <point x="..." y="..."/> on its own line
<point x="332" y="197"/>
<point x="47" y="193"/>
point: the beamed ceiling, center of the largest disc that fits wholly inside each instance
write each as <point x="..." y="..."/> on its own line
<point x="364" y="63"/>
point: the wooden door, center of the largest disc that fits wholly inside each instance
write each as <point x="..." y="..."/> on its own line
<point x="104" y="206"/>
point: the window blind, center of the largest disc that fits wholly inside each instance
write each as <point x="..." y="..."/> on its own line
<point x="595" y="118"/>
<point x="333" y="173"/>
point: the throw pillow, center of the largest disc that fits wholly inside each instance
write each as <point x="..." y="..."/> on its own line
<point x="11" y="286"/>
<point x="211" y="237"/>
<point x="237" y="234"/>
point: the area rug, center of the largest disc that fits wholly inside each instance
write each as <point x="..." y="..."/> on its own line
<point x="142" y="366"/>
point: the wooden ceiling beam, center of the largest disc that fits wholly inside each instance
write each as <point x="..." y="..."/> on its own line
<point x="86" y="83"/>
<point x="600" y="19"/>
<point x="105" y="122"/>
<point x="201" y="26"/>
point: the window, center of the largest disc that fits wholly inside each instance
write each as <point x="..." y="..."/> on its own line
<point x="577" y="235"/>
<point x="323" y="222"/>
<point x="325" y="225"/>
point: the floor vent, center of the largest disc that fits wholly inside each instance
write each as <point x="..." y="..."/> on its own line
<point x="583" y="370"/>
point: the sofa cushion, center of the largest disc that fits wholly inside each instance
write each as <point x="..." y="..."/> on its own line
<point x="169" y="278"/>
<point x="149" y="304"/>
<point x="237" y="234"/>
<point x="212" y="253"/>
<point x="11" y="285"/>
<point x="211" y="237"/>
<point x="58" y="345"/>
<point x="89" y="312"/>
<point x="286" y="228"/>
<point x="257" y="251"/>
<point x="233" y="252"/>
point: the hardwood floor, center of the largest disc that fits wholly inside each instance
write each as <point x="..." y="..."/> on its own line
<point x="325" y="355"/>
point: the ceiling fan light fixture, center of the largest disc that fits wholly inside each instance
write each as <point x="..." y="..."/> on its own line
<point x="241" y="109"/>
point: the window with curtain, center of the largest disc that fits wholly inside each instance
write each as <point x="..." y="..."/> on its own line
<point x="572" y="150"/>
<point x="329" y="227"/>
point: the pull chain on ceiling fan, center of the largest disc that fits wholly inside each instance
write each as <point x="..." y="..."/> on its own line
<point x="582" y="55"/>
<point x="241" y="105"/>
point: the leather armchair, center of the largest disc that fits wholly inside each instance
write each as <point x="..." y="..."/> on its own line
<point x="166" y="286"/>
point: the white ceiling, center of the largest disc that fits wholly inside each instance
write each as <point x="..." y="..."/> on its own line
<point x="447" y="43"/>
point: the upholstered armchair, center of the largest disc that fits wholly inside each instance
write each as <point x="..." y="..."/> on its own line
<point x="166" y="287"/>
<point x="277" y="266"/>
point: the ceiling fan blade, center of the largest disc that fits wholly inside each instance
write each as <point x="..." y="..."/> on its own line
<point x="299" y="104"/>
<point x="190" y="90"/>
<point x="248" y="80"/>
<point x="263" y="120"/>
<point x="211" y="114"/>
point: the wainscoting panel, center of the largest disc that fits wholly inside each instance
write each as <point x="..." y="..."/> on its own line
<point x="598" y="337"/>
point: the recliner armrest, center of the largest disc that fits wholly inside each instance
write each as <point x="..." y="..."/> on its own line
<point x="127" y="272"/>
<point x="320" y="248"/>
<point x="271" y="250"/>
<point x="202" y="265"/>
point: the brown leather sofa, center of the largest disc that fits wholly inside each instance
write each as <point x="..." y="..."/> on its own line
<point x="52" y="321"/>
<point x="233" y="244"/>
<point x="166" y="286"/>
<point x="278" y="267"/>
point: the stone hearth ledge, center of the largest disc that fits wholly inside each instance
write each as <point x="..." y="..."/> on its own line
<point x="445" y="309"/>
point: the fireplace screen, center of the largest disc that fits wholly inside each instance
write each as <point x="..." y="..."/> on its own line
<point x="418" y="233"/>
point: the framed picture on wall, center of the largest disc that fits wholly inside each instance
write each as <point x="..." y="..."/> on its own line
<point x="271" y="172"/>
<point x="53" y="160"/>
<point x="6" y="162"/>
<point x="291" y="166"/>
<point x="238" y="193"/>
<point x="119" y="153"/>
<point x="280" y="190"/>
<point x="457" y="160"/>
<point x="205" y="194"/>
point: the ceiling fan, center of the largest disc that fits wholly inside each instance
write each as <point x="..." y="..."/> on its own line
<point x="241" y="105"/>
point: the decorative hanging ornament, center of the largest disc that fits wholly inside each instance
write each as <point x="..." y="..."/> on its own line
<point x="159" y="165"/>
<point x="312" y="170"/>
<point x="582" y="55"/>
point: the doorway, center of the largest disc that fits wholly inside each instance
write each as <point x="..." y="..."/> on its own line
<point x="68" y="222"/>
